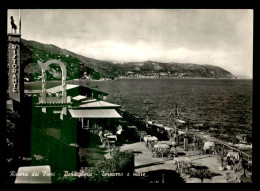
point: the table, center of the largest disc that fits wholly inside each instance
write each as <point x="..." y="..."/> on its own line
<point x="181" y="160"/>
<point x="107" y="134"/>
<point x="112" y="137"/>
<point x="132" y="127"/>
<point x="161" y="149"/>
<point x="150" y="141"/>
<point x="170" y="143"/>
<point x="163" y="146"/>
<point x="181" y="132"/>
<point x="234" y="155"/>
<point x="208" y="145"/>
<point x="150" y="138"/>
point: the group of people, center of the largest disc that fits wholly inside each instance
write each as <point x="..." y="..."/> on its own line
<point x="209" y="147"/>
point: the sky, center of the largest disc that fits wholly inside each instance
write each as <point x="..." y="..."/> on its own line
<point x="219" y="37"/>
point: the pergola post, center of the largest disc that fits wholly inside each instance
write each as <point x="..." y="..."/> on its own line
<point x="82" y="122"/>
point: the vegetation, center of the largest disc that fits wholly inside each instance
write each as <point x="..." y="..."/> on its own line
<point x="11" y="155"/>
<point x="119" y="169"/>
<point x="201" y="174"/>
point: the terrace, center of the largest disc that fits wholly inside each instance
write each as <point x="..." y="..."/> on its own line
<point x="188" y="160"/>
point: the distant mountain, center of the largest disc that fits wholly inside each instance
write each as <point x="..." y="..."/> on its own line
<point x="242" y="77"/>
<point x="80" y="66"/>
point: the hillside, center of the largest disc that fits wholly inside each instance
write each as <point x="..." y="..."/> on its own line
<point x="81" y="67"/>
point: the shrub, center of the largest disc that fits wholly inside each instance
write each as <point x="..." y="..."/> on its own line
<point x="201" y="174"/>
<point x="118" y="167"/>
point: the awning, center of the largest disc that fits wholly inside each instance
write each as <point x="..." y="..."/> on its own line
<point x="94" y="113"/>
<point x="99" y="104"/>
<point x="60" y="88"/>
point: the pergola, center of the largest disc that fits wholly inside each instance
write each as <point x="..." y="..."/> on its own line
<point x="94" y="109"/>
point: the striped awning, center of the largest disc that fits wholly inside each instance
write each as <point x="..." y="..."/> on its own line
<point x="94" y="113"/>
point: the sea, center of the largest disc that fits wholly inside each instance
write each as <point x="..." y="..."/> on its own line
<point x="220" y="103"/>
<point x="224" y="104"/>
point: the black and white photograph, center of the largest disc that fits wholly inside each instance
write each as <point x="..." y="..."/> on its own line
<point x="132" y="96"/>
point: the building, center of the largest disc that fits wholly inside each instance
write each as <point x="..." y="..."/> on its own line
<point x="86" y="109"/>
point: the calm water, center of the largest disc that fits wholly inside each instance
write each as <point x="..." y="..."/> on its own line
<point x="214" y="101"/>
<point x="227" y="103"/>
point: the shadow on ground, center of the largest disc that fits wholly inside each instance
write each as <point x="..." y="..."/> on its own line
<point x="181" y="154"/>
<point x="90" y="156"/>
<point x="149" y="164"/>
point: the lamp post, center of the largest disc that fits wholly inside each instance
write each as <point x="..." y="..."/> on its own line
<point x="147" y="101"/>
<point x="172" y="115"/>
<point x="175" y="114"/>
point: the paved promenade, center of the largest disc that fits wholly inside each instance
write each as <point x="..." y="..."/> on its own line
<point x="144" y="162"/>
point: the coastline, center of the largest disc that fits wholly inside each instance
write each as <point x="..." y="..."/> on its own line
<point x="178" y="78"/>
<point x="184" y="78"/>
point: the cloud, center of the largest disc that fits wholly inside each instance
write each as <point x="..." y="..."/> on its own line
<point x="234" y="62"/>
<point x="219" y="37"/>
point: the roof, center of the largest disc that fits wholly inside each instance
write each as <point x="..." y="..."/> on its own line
<point x="98" y="91"/>
<point x="89" y="100"/>
<point x="79" y="97"/>
<point x="32" y="91"/>
<point x="94" y="113"/>
<point x="99" y="104"/>
<point x="60" y="88"/>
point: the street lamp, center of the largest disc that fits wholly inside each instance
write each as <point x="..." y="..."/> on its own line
<point x="174" y="113"/>
<point x="147" y="101"/>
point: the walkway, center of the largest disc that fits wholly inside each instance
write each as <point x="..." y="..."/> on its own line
<point x="144" y="162"/>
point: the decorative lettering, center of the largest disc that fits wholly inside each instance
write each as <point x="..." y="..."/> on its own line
<point x="15" y="70"/>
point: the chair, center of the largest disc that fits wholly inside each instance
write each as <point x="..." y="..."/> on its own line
<point x="141" y="134"/>
<point x="104" y="140"/>
<point x="150" y="144"/>
<point x="156" y="152"/>
<point x="167" y="152"/>
<point x="113" y="149"/>
<point x="172" y="152"/>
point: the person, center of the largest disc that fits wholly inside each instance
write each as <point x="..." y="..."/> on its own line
<point x="196" y="146"/>
<point x="100" y="133"/>
<point x="14" y="27"/>
<point x="119" y="130"/>
<point x="174" y="144"/>
<point x="229" y="161"/>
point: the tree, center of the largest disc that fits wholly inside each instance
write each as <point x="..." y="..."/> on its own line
<point x="10" y="146"/>
<point x="201" y="172"/>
